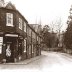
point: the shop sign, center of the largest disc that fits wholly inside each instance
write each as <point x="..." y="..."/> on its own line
<point x="0" y="49"/>
<point x="11" y="35"/>
<point x="1" y="39"/>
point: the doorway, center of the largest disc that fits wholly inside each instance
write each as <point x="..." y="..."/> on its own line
<point x="10" y="46"/>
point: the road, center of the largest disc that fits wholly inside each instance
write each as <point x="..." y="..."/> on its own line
<point x="47" y="62"/>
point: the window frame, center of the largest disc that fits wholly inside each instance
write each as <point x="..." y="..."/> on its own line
<point x="20" y="23"/>
<point x="29" y="48"/>
<point x="32" y="48"/>
<point x="9" y="17"/>
<point x="24" y="26"/>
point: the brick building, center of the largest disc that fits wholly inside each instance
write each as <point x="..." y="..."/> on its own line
<point x="18" y="40"/>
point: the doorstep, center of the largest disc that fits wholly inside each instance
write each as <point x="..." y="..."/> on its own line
<point x="24" y="62"/>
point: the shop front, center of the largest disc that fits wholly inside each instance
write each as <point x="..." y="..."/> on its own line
<point x="10" y="47"/>
<point x="8" y="44"/>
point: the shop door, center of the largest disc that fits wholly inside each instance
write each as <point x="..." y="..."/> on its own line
<point x="9" y="52"/>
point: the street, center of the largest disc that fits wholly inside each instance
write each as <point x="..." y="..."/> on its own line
<point x="48" y="61"/>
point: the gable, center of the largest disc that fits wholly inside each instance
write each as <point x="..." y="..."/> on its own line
<point x="10" y="6"/>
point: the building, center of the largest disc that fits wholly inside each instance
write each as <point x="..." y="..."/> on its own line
<point x="18" y="41"/>
<point x="33" y="42"/>
<point x="36" y="27"/>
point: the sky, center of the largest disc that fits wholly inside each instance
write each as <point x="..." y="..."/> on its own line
<point x="44" y="11"/>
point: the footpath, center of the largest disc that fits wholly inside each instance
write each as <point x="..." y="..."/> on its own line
<point x="24" y="62"/>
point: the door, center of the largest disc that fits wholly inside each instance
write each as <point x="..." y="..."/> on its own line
<point x="9" y="52"/>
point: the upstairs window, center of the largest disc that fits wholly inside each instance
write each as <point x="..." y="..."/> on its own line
<point x="9" y="19"/>
<point x="30" y="32"/>
<point x="20" y="23"/>
<point x="24" y="27"/>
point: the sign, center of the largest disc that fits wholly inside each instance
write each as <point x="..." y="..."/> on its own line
<point x="1" y="39"/>
<point x="0" y="49"/>
<point x="11" y="35"/>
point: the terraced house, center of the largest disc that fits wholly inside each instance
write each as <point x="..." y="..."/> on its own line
<point x="18" y="40"/>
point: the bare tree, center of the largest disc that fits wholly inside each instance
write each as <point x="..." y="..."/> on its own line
<point x="56" y="26"/>
<point x="59" y="25"/>
<point x="53" y="26"/>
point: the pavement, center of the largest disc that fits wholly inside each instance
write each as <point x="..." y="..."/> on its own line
<point x="24" y="62"/>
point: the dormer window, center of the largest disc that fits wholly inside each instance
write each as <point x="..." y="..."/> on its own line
<point x="20" y="23"/>
<point x="9" y="19"/>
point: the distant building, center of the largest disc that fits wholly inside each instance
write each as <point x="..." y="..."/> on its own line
<point x="36" y="27"/>
<point x="60" y="37"/>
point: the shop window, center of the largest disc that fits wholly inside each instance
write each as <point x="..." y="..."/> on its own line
<point x="1" y="43"/>
<point x="24" y="45"/>
<point x="0" y="48"/>
<point x="9" y="19"/>
<point x="20" y="23"/>
<point x="32" y="49"/>
<point x="37" y="38"/>
<point x="29" y="49"/>
<point x="24" y="27"/>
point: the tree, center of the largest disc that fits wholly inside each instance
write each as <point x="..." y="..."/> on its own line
<point x="68" y="36"/>
<point x="49" y="38"/>
<point x="46" y="35"/>
<point x="68" y="33"/>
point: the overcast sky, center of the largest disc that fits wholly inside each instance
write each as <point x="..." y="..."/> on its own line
<point x="44" y="10"/>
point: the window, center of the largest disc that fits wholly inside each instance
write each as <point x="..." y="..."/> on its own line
<point x="29" y="49"/>
<point x="20" y="23"/>
<point x="1" y="43"/>
<point x="9" y="19"/>
<point x="24" y="45"/>
<point x="33" y="35"/>
<point x="37" y="38"/>
<point x="29" y="32"/>
<point x="24" y="27"/>
<point x="32" y="49"/>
